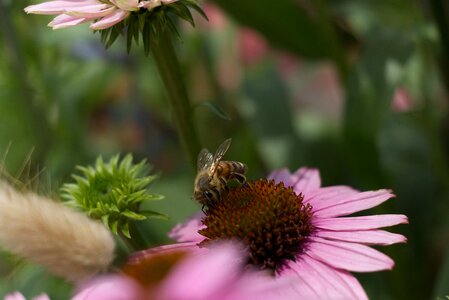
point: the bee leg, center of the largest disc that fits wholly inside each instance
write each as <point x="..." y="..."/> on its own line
<point x="239" y="177"/>
<point x="203" y="209"/>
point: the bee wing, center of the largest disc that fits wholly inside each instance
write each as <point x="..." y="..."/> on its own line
<point x="205" y="160"/>
<point x="220" y="153"/>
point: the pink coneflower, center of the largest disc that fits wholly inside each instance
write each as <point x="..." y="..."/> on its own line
<point x="177" y="272"/>
<point x="104" y="13"/>
<point x="295" y="229"/>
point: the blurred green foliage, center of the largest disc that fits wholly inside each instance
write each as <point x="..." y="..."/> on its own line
<point x="292" y="82"/>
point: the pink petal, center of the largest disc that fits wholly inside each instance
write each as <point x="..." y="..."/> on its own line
<point x="188" y="231"/>
<point x="325" y="282"/>
<point x="369" y="237"/>
<point x="110" y="20"/>
<point x="281" y="175"/>
<point x="57" y="7"/>
<point x="91" y="11"/>
<point x="216" y="270"/>
<point x="359" y="223"/>
<point x="14" y="296"/>
<point x="111" y="287"/>
<point x="329" y="195"/>
<point x="347" y="205"/>
<point x="348" y="256"/>
<point x="64" y="21"/>
<point x="304" y="180"/>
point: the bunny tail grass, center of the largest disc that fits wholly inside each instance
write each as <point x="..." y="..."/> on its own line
<point x="67" y="243"/>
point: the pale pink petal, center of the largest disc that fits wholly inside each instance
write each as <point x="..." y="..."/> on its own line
<point x="14" y="296"/>
<point x="315" y="280"/>
<point x="41" y="297"/>
<point x="304" y="180"/>
<point x="64" y="21"/>
<point x="369" y="237"/>
<point x="188" y="231"/>
<point x="348" y="256"/>
<point x="359" y="223"/>
<point x="130" y="5"/>
<point x="91" y="11"/>
<point x="205" y="276"/>
<point x="348" y="205"/>
<point x="110" y="20"/>
<point x="281" y="175"/>
<point x="112" y="287"/>
<point x="57" y="7"/>
<point x="325" y="196"/>
<point x="150" y="4"/>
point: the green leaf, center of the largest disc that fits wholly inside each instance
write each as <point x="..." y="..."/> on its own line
<point x="154" y="214"/>
<point x="132" y="215"/>
<point x="284" y="23"/>
<point x="125" y="230"/>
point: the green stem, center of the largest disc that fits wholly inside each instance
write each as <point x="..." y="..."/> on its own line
<point x="167" y="63"/>
<point x="439" y="9"/>
<point x="338" y="52"/>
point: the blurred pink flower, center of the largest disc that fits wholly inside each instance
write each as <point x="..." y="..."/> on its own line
<point x="104" y="13"/>
<point x="253" y="47"/>
<point x="402" y="102"/>
<point x="296" y="229"/>
<point x="19" y="296"/>
<point x="176" y="272"/>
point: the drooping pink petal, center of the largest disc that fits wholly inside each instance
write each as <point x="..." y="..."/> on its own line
<point x="110" y="287"/>
<point x="348" y="256"/>
<point x="188" y="231"/>
<point x="207" y="276"/>
<point x="64" y="21"/>
<point x="110" y="20"/>
<point x="91" y="11"/>
<point x="320" y="281"/>
<point x="368" y="237"/>
<point x="359" y="223"/>
<point x="351" y="204"/>
<point x="57" y="7"/>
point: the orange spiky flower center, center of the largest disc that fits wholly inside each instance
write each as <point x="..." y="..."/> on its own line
<point x="270" y="219"/>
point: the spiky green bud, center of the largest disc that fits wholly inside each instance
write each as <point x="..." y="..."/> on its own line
<point x="113" y="192"/>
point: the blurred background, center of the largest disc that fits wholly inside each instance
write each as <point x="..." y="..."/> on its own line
<point x="358" y="89"/>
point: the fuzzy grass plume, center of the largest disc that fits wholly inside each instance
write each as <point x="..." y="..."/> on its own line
<point x="67" y="243"/>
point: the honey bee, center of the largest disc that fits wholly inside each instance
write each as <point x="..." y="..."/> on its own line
<point x="211" y="181"/>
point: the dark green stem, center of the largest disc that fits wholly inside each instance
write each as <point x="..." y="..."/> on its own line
<point x="167" y="63"/>
<point x="439" y="10"/>
<point x="137" y="241"/>
<point x="328" y="28"/>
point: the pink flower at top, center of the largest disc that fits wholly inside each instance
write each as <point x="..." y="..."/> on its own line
<point x="300" y="232"/>
<point x="103" y="13"/>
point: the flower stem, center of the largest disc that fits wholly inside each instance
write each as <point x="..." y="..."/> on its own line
<point x="167" y="63"/>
